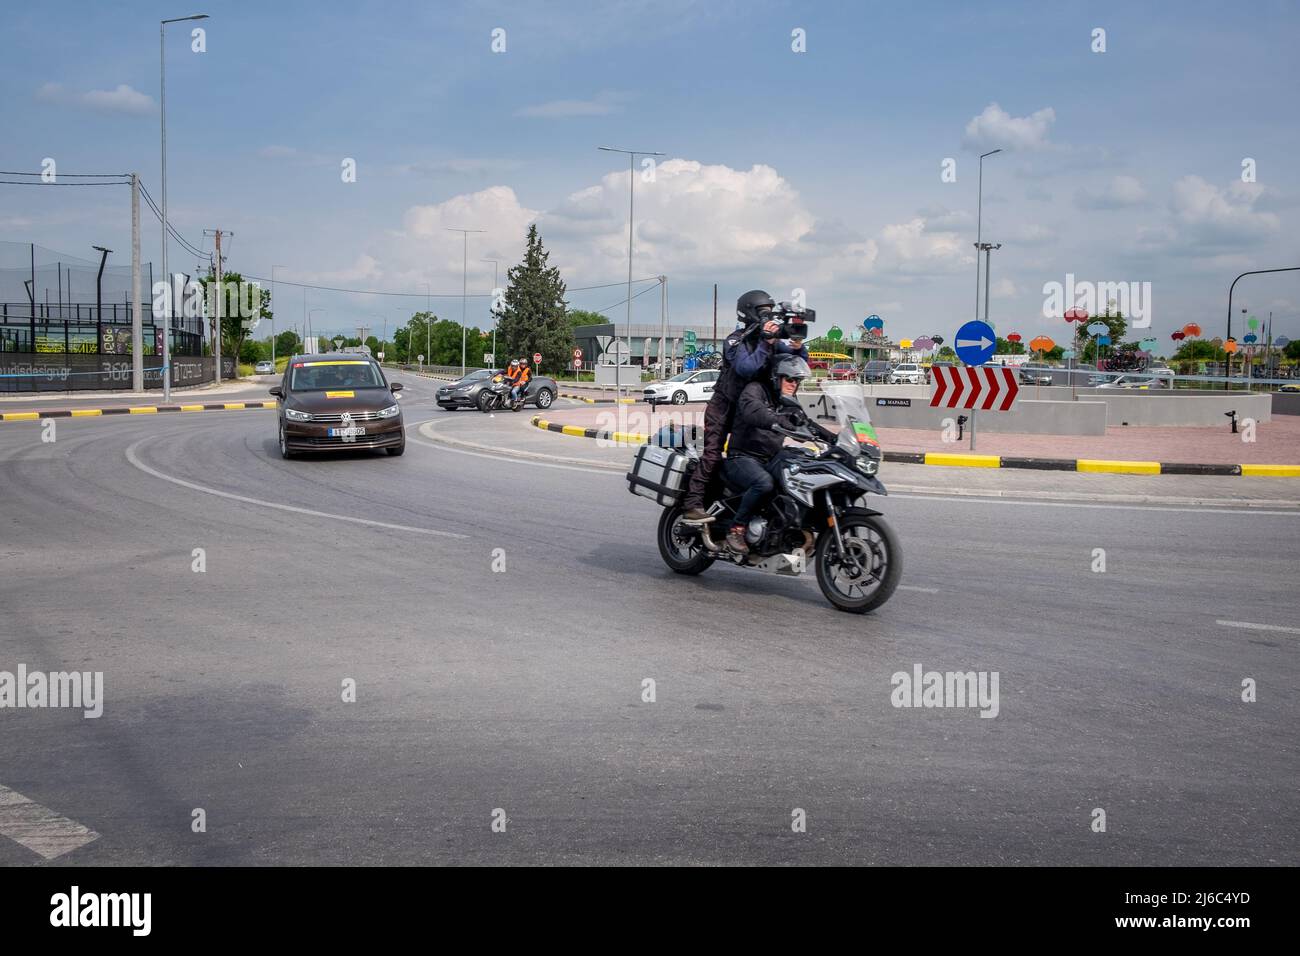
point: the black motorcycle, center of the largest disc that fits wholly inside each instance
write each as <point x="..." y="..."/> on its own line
<point x="818" y="512"/>
<point x="496" y="395"/>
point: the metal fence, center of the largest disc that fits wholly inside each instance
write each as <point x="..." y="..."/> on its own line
<point x="71" y="372"/>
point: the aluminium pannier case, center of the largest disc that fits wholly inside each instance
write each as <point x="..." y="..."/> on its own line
<point x="658" y="474"/>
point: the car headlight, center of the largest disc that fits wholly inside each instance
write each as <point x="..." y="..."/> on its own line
<point x="868" y="466"/>
<point x="296" y="416"/>
<point x="389" y="412"/>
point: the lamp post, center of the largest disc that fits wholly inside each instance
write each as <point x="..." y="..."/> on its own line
<point x="464" y="287"/>
<point x="310" y="313"/>
<point x="631" y="195"/>
<point x="162" y="87"/>
<point x="99" y="298"/>
<point x="273" y="303"/>
<point x="495" y="285"/>
<point x="1257" y="272"/>
<point x="979" y="230"/>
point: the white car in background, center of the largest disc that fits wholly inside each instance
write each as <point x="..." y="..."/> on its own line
<point x="680" y="389"/>
<point x="907" y="373"/>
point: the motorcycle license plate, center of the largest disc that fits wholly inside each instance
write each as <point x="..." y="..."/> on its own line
<point x="344" y="432"/>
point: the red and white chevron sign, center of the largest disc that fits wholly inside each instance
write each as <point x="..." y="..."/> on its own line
<point x="986" y="387"/>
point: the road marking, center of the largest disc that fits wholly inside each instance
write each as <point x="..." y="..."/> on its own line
<point x="39" y="828"/>
<point x="1248" y="625"/>
<point x="913" y="587"/>
<point x="985" y="498"/>
<point x="137" y="463"/>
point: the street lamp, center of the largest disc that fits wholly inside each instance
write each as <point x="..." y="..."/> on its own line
<point x="979" y="227"/>
<point x="464" y="287"/>
<point x="310" y="313"/>
<point x="99" y="298"/>
<point x="631" y="194"/>
<point x="1258" y="272"/>
<point x="273" y="304"/>
<point x="495" y="286"/>
<point x="162" y="86"/>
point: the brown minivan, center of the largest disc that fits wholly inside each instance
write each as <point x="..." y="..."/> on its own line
<point x="338" y="401"/>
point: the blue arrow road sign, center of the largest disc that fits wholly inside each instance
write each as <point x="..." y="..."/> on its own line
<point x="975" y="343"/>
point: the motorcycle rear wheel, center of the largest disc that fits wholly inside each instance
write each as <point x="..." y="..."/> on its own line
<point x="875" y="545"/>
<point x="679" y="545"/>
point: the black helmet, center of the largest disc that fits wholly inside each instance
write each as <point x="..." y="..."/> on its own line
<point x="788" y="366"/>
<point x="749" y="304"/>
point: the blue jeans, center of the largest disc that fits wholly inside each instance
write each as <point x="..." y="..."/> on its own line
<point x="514" y="392"/>
<point x="752" y="475"/>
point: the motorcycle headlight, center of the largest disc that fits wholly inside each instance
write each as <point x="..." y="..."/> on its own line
<point x="296" y="416"/>
<point x="388" y="412"/>
<point x="868" y="466"/>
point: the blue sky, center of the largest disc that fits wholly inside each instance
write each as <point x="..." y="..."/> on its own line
<point x="818" y="170"/>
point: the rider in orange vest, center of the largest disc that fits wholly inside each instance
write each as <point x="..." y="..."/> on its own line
<point x="521" y="380"/>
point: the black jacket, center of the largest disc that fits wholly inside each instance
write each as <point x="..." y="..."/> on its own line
<point x="751" y="431"/>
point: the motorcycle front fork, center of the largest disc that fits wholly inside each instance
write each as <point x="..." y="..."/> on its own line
<point x="833" y="517"/>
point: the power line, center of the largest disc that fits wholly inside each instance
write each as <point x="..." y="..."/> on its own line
<point x="12" y="172"/>
<point x="433" y="295"/>
<point x="21" y="182"/>
<point x="624" y="301"/>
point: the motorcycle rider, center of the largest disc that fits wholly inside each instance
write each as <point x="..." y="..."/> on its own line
<point x="745" y="357"/>
<point x="752" y="452"/>
<point x="521" y="381"/>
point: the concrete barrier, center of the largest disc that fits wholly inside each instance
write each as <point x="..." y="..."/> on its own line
<point x="908" y="406"/>
<point x="1159" y="407"/>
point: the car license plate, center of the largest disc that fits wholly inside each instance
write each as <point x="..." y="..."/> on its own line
<point x="344" y="432"/>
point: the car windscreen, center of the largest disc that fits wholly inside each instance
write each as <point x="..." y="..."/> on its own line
<point x="685" y="376"/>
<point x="327" y="375"/>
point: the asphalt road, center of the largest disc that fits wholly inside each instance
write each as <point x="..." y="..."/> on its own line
<point x="522" y="689"/>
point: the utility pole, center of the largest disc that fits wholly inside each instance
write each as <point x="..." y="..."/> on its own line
<point x="137" y="315"/>
<point x="663" y="322"/>
<point x="495" y="286"/>
<point x="464" y="288"/>
<point x="988" y="257"/>
<point x="715" y="316"/>
<point x="979" y="229"/>
<point x="99" y="298"/>
<point x="216" y="338"/>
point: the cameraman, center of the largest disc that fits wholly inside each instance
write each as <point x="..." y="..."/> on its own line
<point x="745" y="357"/>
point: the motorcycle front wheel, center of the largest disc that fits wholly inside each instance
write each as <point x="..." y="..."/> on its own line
<point x="679" y="544"/>
<point x="867" y="582"/>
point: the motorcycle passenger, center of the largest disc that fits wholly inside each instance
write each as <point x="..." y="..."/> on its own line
<point x="754" y="445"/>
<point x="521" y="381"/>
<point x="745" y="357"/>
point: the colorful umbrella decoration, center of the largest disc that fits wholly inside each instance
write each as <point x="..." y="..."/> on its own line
<point x="938" y="339"/>
<point x="1178" y="336"/>
<point x="1076" y="315"/>
<point x="834" y="333"/>
<point x="925" y="343"/>
<point x="1230" y="346"/>
<point x="873" y="322"/>
<point x="904" y="343"/>
<point x="1281" y="342"/>
<point x="875" y="332"/>
<point x="1013" y="337"/>
<point x="1250" y="337"/>
<point x="1103" y="340"/>
<point x="1148" y="344"/>
<point x="1192" y="329"/>
<point x="1252" y="323"/>
<point x="1042" y="343"/>
<point x="1068" y="354"/>
<point x="1098" y="328"/>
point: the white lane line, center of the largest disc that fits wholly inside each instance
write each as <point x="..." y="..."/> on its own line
<point x="1250" y="626"/>
<point x="441" y="446"/>
<point x="913" y="587"/>
<point x="39" y="828"/>
<point x="131" y="457"/>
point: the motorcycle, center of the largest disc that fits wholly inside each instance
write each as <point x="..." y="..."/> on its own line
<point x="817" y="513"/>
<point x="496" y="395"/>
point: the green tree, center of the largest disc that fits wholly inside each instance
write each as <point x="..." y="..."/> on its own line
<point x="580" y="317"/>
<point x="287" y="343"/>
<point x="533" y="315"/>
<point x="1292" y="350"/>
<point x="234" y="327"/>
<point x="946" y="353"/>
<point x="1005" y="347"/>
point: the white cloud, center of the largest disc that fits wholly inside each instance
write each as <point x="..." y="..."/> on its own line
<point x="1207" y="216"/>
<point x="1003" y="289"/>
<point x="602" y="104"/>
<point x="995" y="127"/>
<point x="121" y="99"/>
<point x="1120" y="193"/>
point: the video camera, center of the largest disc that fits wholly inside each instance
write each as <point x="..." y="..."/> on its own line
<point x="794" y="322"/>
